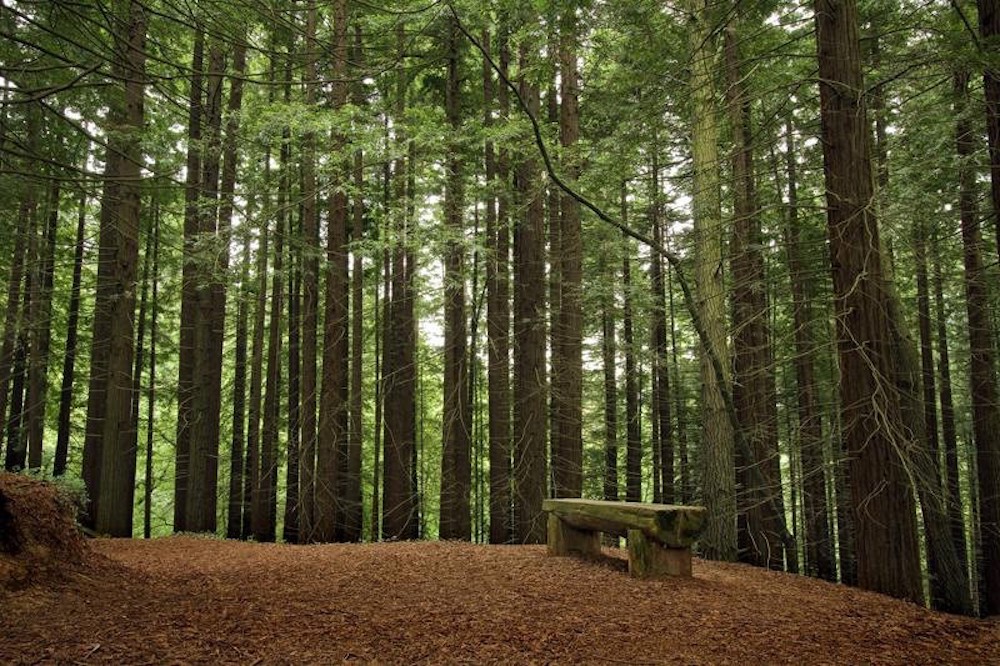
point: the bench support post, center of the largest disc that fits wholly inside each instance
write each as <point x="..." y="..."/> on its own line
<point x="564" y="539"/>
<point x="649" y="559"/>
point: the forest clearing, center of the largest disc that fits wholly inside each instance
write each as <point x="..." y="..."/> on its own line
<point x="198" y="600"/>
<point x="195" y="599"/>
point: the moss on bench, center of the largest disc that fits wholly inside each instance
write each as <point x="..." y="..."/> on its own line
<point x="660" y="536"/>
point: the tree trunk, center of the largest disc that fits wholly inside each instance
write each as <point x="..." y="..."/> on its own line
<point x="293" y="501"/>
<point x="231" y="158"/>
<point x="455" y="444"/>
<point x="567" y="451"/>
<point x="685" y="491"/>
<point x="40" y="316"/>
<point x="529" y="341"/>
<point x="753" y="379"/>
<point x="11" y="346"/>
<point x="498" y="306"/>
<point x="252" y="468"/>
<point x="108" y="450"/>
<point x="718" y="461"/>
<point x="609" y="356"/>
<point x="818" y="540"/>
<point x="237" y="470"/>
<point x="206" y="402"/>
<point x="633" y="436"/>
<point x="310" y="295"/>
<point x="663" y="473"/>
<point x="264" y="515"/>
<point x="882" y="500"/>
<point x="331" y="440"/>
<point x="189" y="291"/>
<point x="982" y="373"/>
<point x="140" y="342"/>
<point x="69" y="356"/>
<point x="989" y="30"/>
<point x="949" y="438"/>
<point x="147" y="500"/>
<point x="352" y="498"/>
<point x="399" y="509"/>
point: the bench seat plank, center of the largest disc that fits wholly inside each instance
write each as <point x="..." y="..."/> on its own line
<point x="673" y="526"/>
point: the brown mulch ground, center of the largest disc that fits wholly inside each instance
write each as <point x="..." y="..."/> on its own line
<point x="191" y="600"/>
<point x="39" y="540"/>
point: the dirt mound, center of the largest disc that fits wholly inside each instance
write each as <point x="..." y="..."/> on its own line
<point x="39" y="538"/>
<point x="208" y="601"/>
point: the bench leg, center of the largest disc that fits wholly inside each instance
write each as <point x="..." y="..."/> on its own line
<point x="567" y="540"/>
<point x="649" y="559"/>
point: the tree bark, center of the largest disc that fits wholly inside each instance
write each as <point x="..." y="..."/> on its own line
<point x="455" y="445"/>
<point x="882" y="500"/>
<point x="69" y="355"/>
<point x="310" y="295"/>
<point x="352" y="498"/>
<point x="819" y="555"/>
<point x="718" y="457"/>
<point x="189" y="292"/>
<point x="567" y="451"/>
<point x="332" y="434"/>
<point x="949" y="437"/>
<point x="147" y="500"/>
<point x="529" y="341"/>
<point x="982" y="372"/>
<point x="498" y="306"/>
<point x="111" y="484"/>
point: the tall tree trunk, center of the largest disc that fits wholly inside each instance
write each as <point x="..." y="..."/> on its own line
<point x="252" y="468"/>
<point x="948" y="585"/>
<point x="685" y="491"/>
<point x="718" y="461"/>
<point x="227" y="189"/>
<point x="111" y="484"/>
<point x="310" y="295"/>
<point x="529" y="341"/>
<point x="264" y="515"/>
<point x="140" y="340"/>
<point x="982" y="373"/>
<point x="609" y="356"/>
<point x="69" y="355"/>
<point x="753" y="379"/>
<point x="12" y="346"/>
<point x="882" y="500"/>
<point x="663" y="473"/>
<point x="989" y="30"/>
<point x="39" y="328"/>
<point x="949" y="437"/>
<point x="293" y="501"/>
<point x="331" y="440"/>
<point x="818" y="540"/>
<point x="455" y="444"/>
<point x="352" y="497"/>
<point x="633" y="431"/>
<point x="399" y="509"/>
<point x="40" y="331"/>
<point x="942" y="496"/>
<point x="237" y="469"/>
<point x="189" y="291"/>
<point x="16" y="451"/>
<point x="567" y="454"/>
<point x="147" y="500"/>
<point x="498" y="304"/>
<point x="203" y="448"/>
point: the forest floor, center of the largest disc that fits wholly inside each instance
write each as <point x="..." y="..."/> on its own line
<point x="199" y="600"/>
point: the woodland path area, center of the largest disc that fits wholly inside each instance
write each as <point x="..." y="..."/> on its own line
<point x="197" y="600"/>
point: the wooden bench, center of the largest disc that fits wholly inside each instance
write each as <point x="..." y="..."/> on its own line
<point x="659" y="536"/>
